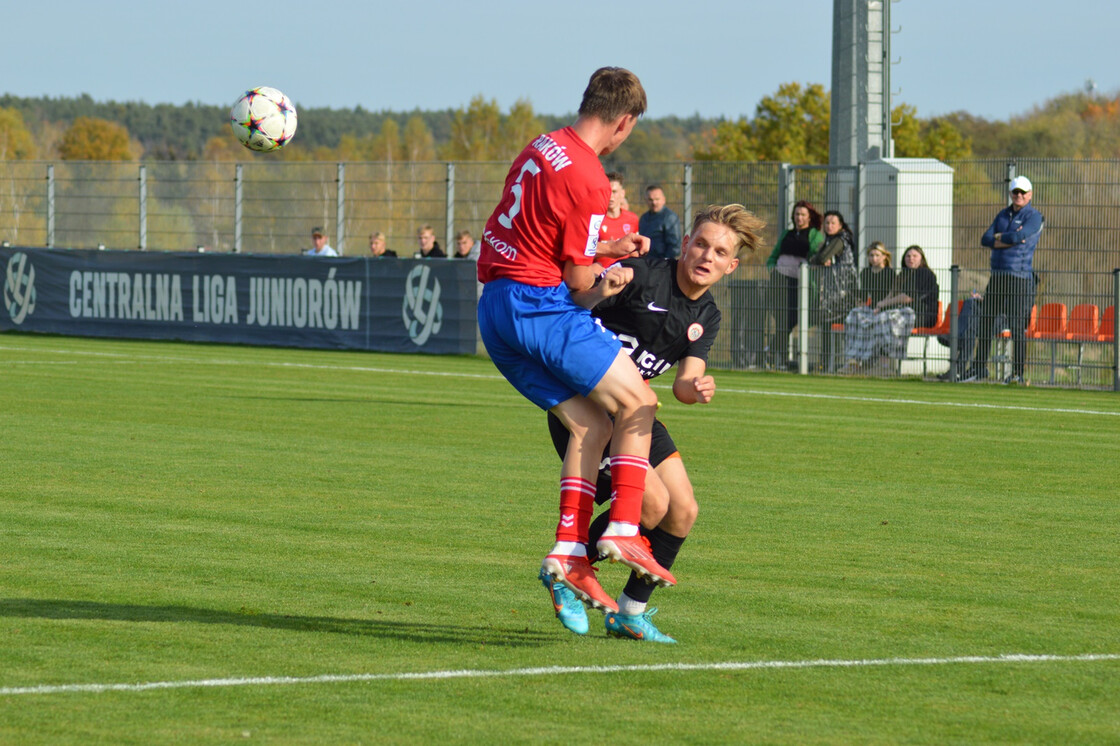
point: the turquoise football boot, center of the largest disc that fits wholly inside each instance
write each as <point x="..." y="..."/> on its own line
<point x="635" y="627"/>
<point x="569" y="609"/>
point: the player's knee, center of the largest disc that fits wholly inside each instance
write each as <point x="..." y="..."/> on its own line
<point x="642" y="401"/>
<point x="655" y="505"/>
<point x="682" y="513"/>
<point x="593" y="429"/>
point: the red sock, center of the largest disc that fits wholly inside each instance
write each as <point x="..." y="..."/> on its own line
<point x="628" y="484"/>
<point x="577" y="501"/>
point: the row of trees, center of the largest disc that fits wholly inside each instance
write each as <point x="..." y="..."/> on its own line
<point x="792" y="125"/>
<point x="789" y="125"/>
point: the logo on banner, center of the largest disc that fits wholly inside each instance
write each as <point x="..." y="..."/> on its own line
<point x="19" y="288"/>
<point x="422" y="311"/>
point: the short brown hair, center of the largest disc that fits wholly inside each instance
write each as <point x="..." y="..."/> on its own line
<point x="463" y="234"/>
<point x="614" y="176"/>
<point x="611" y="93"/>
<point x="747" y="226"/>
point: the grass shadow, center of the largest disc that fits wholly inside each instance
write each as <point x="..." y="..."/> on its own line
<point x="419" y="632"/>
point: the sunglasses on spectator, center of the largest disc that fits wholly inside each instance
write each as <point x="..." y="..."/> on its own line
<point x="1017" y="191"/>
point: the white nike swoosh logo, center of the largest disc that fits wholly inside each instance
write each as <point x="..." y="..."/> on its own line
<point x="654" y="307"/>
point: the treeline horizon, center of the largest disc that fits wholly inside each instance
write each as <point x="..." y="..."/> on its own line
<point x="790" y="125"/>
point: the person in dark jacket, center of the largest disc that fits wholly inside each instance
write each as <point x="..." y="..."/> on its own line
<point x="876" y="279"/>
<point x="799" y="244"/>
<point x="885" y="327"/>
<point x="1012" y="237"/>
<point x="836" y="279"/>
<point x="661" y="225"/>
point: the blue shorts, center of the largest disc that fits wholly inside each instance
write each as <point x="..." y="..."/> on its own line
<point x="549" y="348"/>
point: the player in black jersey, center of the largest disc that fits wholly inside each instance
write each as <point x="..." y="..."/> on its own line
<point x="664" y="316"/>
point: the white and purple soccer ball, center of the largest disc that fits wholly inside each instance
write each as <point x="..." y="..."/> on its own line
<point x="263" y="119"/>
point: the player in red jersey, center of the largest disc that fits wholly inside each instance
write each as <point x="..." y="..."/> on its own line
<point x="538" y="248"/>
<point x="618" y="221"/>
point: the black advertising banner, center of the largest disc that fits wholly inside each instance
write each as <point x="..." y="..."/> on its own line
<point x="384" y="305"/>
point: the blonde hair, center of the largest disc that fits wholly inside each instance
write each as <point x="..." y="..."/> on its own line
<point x="880" y="246"/>
<point x="746" y="225"/>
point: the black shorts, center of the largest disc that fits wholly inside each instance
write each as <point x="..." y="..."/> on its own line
<point x="661" y="447"/>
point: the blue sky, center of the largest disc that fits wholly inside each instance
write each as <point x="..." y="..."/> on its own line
<point x="992" y="59"/>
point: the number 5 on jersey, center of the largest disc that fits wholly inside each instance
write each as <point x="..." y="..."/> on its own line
<point x="506" y="218"/>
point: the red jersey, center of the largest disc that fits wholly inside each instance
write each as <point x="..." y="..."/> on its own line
<point x="615" y="228"/>
<point x="552" y="207"/>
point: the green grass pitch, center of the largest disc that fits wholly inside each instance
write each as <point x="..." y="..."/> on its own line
<point x="173" y="514"/>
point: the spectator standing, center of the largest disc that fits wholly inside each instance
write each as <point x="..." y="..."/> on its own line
<point x="377" y="246"/>
<point x="319" y="245"/>
<point x="661" y="225"/>
<point x="796" y="246"/>
<point x="619" y="221"/>
<point x="465" y="247"/>
<point x="837" y="279"/>
<point x="429" y="246"/>
<point x="1012" y="237"/>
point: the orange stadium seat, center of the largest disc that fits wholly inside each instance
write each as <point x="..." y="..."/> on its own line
<point x="1107" y="331"/>
<point x="1084" y="326"/>
<point x="931" y="331"/>
<point x="1052" y="322"/>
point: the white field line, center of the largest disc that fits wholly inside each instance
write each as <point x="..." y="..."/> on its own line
<point x="549" y="671"/>
<point x="131" y="358"/>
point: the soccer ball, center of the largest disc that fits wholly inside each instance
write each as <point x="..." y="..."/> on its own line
<point x="263" y="119"/>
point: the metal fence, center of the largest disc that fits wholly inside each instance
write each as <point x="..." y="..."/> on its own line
<point x="270" y="207"/>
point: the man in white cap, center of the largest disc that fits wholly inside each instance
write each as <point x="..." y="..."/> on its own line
<point x="1012" y="237"/>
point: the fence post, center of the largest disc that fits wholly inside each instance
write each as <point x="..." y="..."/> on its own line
<point x="1115" y="330"/>
<point x="803" y="319"/>
<point x="861" y="237"/>
<point x="340" y="213"/>
<point x="238" y="179"/>
<point x="143" y="208"/>
<point x="954" y="320"/>
<point x="787" y="195"/>
<point x="1011" y="173"/>
<point x="50" y="205"/>
<point x="687" y="217"/>
<point x="450" y="208"/>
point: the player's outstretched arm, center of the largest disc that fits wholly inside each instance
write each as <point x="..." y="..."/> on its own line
<point x="692" y="385"/>
<point x="611" y="282"/>
<point x="632" y="244"/>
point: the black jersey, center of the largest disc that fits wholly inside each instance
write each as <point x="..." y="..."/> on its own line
<point x="657" y="324"/>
